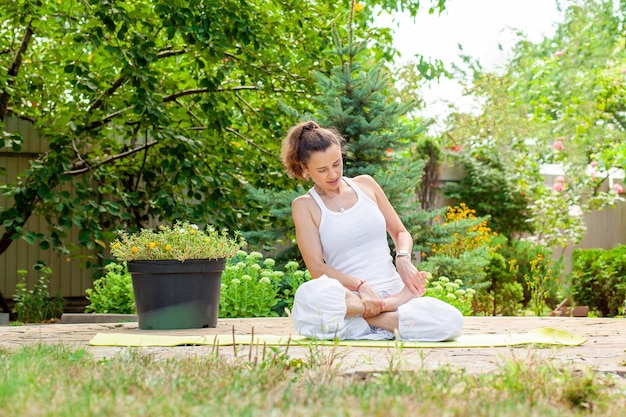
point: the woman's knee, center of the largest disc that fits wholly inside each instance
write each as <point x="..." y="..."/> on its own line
<point x="429" y="319"/>
<point x="319" y="308"/>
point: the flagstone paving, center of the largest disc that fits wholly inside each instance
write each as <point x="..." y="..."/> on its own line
<point x="604" y="350"/>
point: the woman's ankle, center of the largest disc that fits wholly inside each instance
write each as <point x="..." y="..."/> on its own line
<point x="394" y="301"/>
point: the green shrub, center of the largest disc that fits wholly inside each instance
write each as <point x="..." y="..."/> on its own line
<point x="531" y="259"/>
<point x="251" y="287"/>
<point x="289" y="283"/>
<point x="598" y="279"/>
<point x="452" y="292"/>
<point x="503" y="295"/>
<point x="463" y="250"/>
<point x="487" y="188"/>
<point x="36" y="305"/>
<point x="113" y="293"/>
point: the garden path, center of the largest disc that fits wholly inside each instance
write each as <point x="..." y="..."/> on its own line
<point x="604" y="349"/>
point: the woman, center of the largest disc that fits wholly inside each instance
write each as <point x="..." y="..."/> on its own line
<point x="341" y="228"/>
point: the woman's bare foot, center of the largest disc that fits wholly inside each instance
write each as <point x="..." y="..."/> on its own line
<point x="392" y="302"/>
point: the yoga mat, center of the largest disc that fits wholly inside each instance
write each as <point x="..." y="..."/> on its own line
<point x="544" y="335"/>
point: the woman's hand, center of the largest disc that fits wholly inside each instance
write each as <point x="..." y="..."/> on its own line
<point x="372" y="301"/>
<point x="414" y="280"/>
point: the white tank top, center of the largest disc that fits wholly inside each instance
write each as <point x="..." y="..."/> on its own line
<point x="355" y="242"/>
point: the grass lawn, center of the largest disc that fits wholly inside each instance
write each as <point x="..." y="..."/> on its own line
<point x="52" y="380"/>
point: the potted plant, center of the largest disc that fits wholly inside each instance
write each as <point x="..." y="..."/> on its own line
<point x="176" y="273"/>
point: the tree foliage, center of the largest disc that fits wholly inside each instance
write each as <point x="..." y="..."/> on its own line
<point x="358" y="99"/>
<point x="486" y="188"/>
<point x="559" y="102"/>
<point x="155" y="110"/>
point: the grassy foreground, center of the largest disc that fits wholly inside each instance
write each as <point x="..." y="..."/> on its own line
<point x="52" y="380"/>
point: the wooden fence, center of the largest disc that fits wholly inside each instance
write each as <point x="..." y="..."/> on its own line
<point x="69" y="277"/>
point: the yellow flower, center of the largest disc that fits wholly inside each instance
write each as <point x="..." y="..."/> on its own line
<point x="135" y="249"/>
<point x="152" y="245"/>
<point x="168" y="247"/>
<point x="358" y="7"/>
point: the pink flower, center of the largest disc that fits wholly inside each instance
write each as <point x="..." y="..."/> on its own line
<point x="558" y="145"/>
<point x="559" y="54"/>
<point x="560" y="179"/>
<point x="558" y="186"/>
<point x="618" y="188"/>
<point x="593" y="164"/>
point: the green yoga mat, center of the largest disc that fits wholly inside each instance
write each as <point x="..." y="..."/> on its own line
<point x="544" y="335"/>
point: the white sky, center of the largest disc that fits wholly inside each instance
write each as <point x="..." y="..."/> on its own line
<point x="479" y="26"/>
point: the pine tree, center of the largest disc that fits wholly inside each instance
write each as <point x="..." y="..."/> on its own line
<point x="357" y="99"/>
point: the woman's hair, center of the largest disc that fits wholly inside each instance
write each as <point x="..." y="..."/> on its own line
<point x="302" y="140"/>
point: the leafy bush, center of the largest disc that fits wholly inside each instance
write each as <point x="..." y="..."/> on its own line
<point x="464" y="251"/>
<point x="506" y="274"/>
<point x="540" y="282"/>
<point x="289" y="283"/>
<point x="251" y="287"/>
<point x="488" y="188"/>
<point x="503" y="295"/>
<point x="532" y="259"/>
<point x="36" y="305"/>
<point x="113" y="293"/>
<point x="452" y="292"/>
<point x="598" y="279"/>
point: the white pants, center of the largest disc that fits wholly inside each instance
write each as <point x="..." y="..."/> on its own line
<point x="319" y="311"/>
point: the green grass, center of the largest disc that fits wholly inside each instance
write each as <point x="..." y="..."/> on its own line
<point x="52" y="380"/>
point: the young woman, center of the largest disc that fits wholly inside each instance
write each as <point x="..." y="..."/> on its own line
<point x="341" y="228"/>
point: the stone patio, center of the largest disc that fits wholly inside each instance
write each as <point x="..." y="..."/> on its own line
<point x="604" y="350"/>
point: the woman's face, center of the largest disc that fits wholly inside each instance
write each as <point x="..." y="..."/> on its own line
<point x="326" y="167"/>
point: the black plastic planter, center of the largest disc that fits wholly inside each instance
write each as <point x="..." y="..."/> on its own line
<point x="177" y="295"/>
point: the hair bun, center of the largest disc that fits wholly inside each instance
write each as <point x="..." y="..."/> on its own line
<point x="309" y="126"/>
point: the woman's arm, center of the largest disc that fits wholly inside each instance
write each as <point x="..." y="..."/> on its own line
<point x="412" y="278"/>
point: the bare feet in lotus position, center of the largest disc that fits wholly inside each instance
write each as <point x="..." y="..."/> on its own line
<point x="394" y="301"/>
